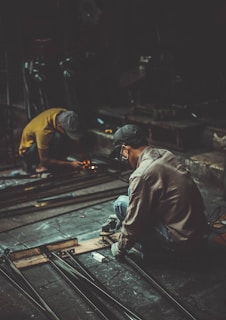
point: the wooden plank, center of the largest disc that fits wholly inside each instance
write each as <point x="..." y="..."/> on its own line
<point x="33" y="256"/>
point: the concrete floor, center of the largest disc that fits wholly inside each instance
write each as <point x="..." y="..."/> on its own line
<point x="199" y="283"/>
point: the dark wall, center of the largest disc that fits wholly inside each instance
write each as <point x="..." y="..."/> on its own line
<point x="106" y="38"/>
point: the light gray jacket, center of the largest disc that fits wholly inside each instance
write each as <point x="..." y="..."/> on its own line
<point x="162" y="190"/>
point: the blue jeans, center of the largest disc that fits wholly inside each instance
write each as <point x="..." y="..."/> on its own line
<point x="158" y="233"/>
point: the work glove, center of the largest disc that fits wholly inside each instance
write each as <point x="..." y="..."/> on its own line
<point x="116" y="252"/>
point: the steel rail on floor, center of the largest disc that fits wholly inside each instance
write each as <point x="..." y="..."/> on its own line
<point x="30" y="185"/>
<point x="87" y="281"/>
<point x="100" y="287"/>
<point x="98" y="307"/>
<point x="29" y="190"/>
<point x="158" y="286"/>
<point x="51" y="188"/>
<point x="21" y="283"/>
<point x="9" y="277"/>
<point x="87" y="289"/>
<point x="39" y="185"/>
<point x="53" y="203"/>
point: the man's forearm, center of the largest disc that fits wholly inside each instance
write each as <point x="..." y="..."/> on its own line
<point x="56" y="162"/>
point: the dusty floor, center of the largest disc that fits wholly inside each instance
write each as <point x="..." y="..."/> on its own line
<point x="199" y="284"/>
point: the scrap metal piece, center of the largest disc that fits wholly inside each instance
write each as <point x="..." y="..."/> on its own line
<point x="99" y="257"/>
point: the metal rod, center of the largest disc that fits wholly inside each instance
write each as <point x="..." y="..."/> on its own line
<point x="51" y="185"/>
<point x="75" y="260"/>
<point x="102" y="311"/>
<point x="75" y="272"/>
<point x="79" y="199"/>
<point x="49" y="188"/>
<point x="7" y="275"/>
<point x="127" y="312"/>
<point x="160" y="288"/>
<point x="50" y="313"/>
<point x="157" y="285"/>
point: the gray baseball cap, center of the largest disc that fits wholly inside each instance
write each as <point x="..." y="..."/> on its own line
<point x="129" y="134"/>
<point x="69" y="122"/>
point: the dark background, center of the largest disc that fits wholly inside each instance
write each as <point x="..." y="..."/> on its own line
<point x="104" y="39"/>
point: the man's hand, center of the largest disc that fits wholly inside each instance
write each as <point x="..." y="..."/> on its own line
<point x="116" y="252"/>
<point x="40" y="169"/>
<point x="46" y="161"/>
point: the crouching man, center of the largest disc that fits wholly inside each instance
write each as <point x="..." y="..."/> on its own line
<point x="164" y="209"/>
<point x="46" y="140"/>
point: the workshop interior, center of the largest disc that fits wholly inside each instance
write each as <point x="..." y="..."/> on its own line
<point x="159" y="64"/>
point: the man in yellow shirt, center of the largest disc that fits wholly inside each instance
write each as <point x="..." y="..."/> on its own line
<point x="46" y="140"/>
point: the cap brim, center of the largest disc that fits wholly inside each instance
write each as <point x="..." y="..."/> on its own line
<point x="72" y="135"/>
<point x="115" y="154"/>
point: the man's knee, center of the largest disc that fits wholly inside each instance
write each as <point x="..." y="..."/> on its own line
<point x="120" y="206"/>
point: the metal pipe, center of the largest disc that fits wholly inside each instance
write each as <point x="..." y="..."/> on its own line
<point x="160" y="288"/>
<point x="49" y="312"/>
<point x="86" y="294"/>
<point x="126" y="312"/>
<point x="49" y="205"/>
<point x="151" y="280"/>
<point x="130" y="314"/>
<point x="44" y="189"/>
<point x="7" y="275"/>
<point x="74" y="272"/>
<point x="75" y="260"/>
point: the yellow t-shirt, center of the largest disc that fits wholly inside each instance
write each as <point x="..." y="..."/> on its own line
<point x="40" y="130"/>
